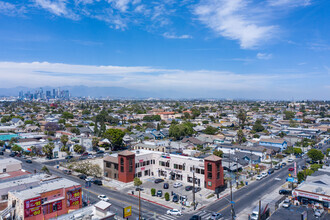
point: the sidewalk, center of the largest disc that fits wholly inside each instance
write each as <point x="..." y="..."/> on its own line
<point x="270" y="199"/>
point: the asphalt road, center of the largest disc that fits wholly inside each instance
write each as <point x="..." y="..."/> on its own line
<point x="251" y="194"/>
<point x="117" y="199"/>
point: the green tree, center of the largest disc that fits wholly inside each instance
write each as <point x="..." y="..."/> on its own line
<point x="282" y="134"/>
<point x="16" y="148"/>
<point x="45" y="170"/>
<point x="48" y="150"/>
<point x="240" y="136"/>
<point x="137" y="181"/>
<point x="242" y="117"/>
<point x="96" y="129"/>
<point x="115" y="136"/>
<point x="328" y="151"/>
<point x="78" y="149"/>
<point x="167" y="196"/>
<point x="158" y="126"/>
<point x="64" y="139"/>
<point x="315" y="155"/>
<point x="257" y="127"/>
<point x="178" y="131"/>
<point x="297" y="150"/>
<point x="289" y="115"/>
<point x="75" y="131"/>
<point x="95" y="142"/>
<point x="210" y="130"/>
<point x="67" y="115"/>
<point x="218" y="153"/>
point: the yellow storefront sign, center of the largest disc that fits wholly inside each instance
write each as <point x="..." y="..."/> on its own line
<point x="127" y="212"/>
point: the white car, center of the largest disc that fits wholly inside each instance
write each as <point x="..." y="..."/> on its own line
<point x="286" y="203"/>
<point x="290" y="160"/>
<point x="103" y="198"/>
<point x="89" y="179"/>
<point x="259" y="177"/>
<point x="174" y="212"/>
<point x="264" y="174"/>
<point x="177" y="184"/>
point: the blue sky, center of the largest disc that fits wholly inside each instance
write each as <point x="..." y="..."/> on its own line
<point x="270" y="49"/>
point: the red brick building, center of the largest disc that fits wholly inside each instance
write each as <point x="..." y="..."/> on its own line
<point x="213" y="172"/>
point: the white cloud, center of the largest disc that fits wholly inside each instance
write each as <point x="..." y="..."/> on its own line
<point x="289" y="3"/>
<point x="10" y="9"/>
<point x="57" y="7"/>
<point x="235" y="19"/>
<point x="121" y="5"/>
<point x="173" y="36"/>
<point x="264" y="56"/>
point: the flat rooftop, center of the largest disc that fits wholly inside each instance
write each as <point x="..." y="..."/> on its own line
<point x="45" y="187"/>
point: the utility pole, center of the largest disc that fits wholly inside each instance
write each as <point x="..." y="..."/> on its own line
<point x="139" y="203"/>
<point x="194" y="187"/>
<point x="231" y="192"/>
<point x="259" y="214"/>
<point x="271" y="161"/>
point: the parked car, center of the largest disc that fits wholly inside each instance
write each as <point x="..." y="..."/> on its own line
<point x="188" y="188"/>
<point x="216" y="216"/>
<point x="270" y="171"/>
<point x="84" y="154"/>
<point x="166" y="185"/>
<point x="277" y="167"/>
<point x="197" y="189"/>
<point x="69" y="157"/>
<point x="283" y="164"/>
<point x="100" y="152"/>
<point x="175" y="198"/>
<point x="159" y="193"/>
<point x="318" y="212"/>
<point x="159" y="180"/>
<point x="82" y="176"/>
<point x="139" y="188"/>
<point x="177" y="184"/>
<point x="264" y="174"/>
<point x="303" y="167"/>
<point x="89" y="179"/>
<point x="174" y="212"/>
<point x="284" y="192"/>
<point x="1" y="153"/>
<point x="98" y="182"/>
<point x="291" y="169"/>
<point x="259" y="177"/>
<point x="67" y="172"/>
<point x="103" y="198"/>
<point x="286" y="203"/>
<point x="195" y="217"/>
<point x="28" y="161"/>
<point x="290" y="160"/>
<point x="13" y="154"/>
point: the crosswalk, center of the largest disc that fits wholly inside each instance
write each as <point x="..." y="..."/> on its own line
<point x="150" y="216"/>
<point x="204" y="214"/>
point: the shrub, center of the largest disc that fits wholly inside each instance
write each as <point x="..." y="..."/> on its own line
<point x="153" y="192"/>
<point x="167" y="196"/>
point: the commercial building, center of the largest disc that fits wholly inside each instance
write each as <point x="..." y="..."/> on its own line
<point x="126" y="165"/>
<point x="51" y="198"/>
<point x="315" y="190"/>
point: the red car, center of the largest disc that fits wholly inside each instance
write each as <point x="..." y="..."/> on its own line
<point x="291" y="169"/>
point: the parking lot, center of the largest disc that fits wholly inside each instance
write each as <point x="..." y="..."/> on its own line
<point x="148" y="184"/>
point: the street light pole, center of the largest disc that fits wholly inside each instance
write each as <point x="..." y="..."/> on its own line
<point x="231" y="192"/>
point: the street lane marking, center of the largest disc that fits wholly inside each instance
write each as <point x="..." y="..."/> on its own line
<point x="228" y="205"/>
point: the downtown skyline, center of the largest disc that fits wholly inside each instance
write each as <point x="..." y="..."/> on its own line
<point x="217" y="49"/>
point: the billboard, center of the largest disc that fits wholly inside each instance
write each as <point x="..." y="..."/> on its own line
<point x="127" y="211"/>
<point x="73" y="197"/>
<point x="32" y="207"/>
